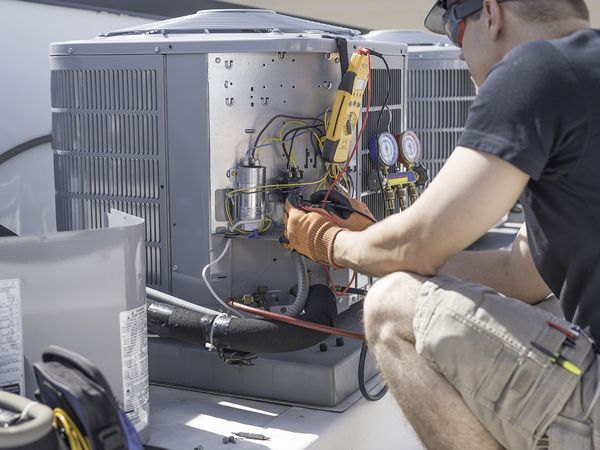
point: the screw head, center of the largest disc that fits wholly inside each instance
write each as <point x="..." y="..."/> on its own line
<point x="322" y="347"/>
<point x="217" y="60"/>
<point x="339" y="341"/>
<point x="157" y="49"/>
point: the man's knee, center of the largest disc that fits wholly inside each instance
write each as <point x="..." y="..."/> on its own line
<point x="390" y="305"/>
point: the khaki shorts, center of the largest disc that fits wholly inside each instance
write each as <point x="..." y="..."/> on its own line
<point x="480" y="341"/>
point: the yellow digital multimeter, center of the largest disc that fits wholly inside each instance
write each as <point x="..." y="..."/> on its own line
<point x="346" y="109"/>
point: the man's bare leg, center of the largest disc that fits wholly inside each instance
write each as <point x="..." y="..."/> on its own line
<point x="433" y="407"/>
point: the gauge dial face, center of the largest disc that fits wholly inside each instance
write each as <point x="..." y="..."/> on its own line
<point x="388" y="149"/>
<point x="410" y="147"/>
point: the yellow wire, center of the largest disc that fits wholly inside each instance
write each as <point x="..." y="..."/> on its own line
<point x="267" y="222"/>
<point x="276" y="186"/>
<point x="266" y="141"/>
<point x="73" y="434"/>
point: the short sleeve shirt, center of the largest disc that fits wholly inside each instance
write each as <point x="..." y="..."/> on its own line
<point x="539" y="109"/>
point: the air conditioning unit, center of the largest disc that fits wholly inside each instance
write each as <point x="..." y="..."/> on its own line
<point x="175" y="122"/>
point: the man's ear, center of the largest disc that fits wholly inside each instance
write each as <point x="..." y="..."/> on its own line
<point x="493" y="17"/>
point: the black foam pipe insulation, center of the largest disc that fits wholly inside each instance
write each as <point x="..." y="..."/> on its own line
<point x="242" y="334"/>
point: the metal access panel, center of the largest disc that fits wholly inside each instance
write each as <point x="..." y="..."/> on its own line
<point x="109" y="147"/>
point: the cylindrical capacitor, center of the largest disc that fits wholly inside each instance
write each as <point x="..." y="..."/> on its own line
<point x="250" y="202"/>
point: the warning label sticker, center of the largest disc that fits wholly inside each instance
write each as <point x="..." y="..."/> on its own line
<point x="12" y="370"/>
<point x="134" y="355"/>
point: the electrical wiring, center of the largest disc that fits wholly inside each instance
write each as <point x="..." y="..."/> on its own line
<point x="289" y="154"/>
<point x="210" y="264"/>
<point x="65" y="425"/>
<point x="275" y="186"/>
<point x="351" y="156"/>
<point x="294" y="321"/>
<point x="362" y="129"/>
<point x="333" y="287"/>
<point x="264" y="225"/>
<point x="274" y="118"/>
<point x="361" y="377"/>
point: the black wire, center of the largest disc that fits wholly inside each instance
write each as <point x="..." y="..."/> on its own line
<point x="377" y="129"/>
<point x="361" y="377"/>
<point x="18" y="149"/>
<point x="288" y="154"/>
<point x="285" y="116"/>
<point x="354" y="211"/>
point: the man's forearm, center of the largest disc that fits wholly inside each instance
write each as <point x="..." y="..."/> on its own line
<point x="378" y="251"/>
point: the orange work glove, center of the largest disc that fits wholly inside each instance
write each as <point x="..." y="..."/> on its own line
<point x="310" y="234"/>
<point x="349" y="212"/>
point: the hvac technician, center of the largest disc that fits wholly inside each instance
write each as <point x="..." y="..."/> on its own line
<point x="471" y="367"/>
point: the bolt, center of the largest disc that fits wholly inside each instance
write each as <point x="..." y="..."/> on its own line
<point x="339" y="341"/>
<point x="225" y="439"/>
<point x="70" y="50"/>
<point x="322" y="347"/>
<point x="156" y="49"/>
<point x="175" y="268"/>
<point x="217" y="60"/>
<point x="200" y="447"/>
<point x="231" y="439"/>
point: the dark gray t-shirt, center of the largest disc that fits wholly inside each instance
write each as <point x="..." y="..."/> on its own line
<point x="539" y="109"/>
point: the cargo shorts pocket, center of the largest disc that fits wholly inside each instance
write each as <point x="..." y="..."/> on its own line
<point x="480" y="341"/>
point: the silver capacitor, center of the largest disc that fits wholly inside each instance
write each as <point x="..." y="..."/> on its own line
<point x="250" y="202"/>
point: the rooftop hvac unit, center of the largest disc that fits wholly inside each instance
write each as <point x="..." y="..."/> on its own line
<point x="175" y="122"/>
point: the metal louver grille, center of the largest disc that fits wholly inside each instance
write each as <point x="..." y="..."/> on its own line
<point x="106" y="137"/>
<point x="438" y="102"/>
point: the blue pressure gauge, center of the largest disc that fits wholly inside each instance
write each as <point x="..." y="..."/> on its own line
<point x="387" y="145"/>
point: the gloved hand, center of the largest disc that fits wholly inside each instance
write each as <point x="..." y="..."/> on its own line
<point x="353" y="214"/>
<point x="310" y="234"/>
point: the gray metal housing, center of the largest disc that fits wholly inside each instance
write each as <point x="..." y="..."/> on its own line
<point x="155" y="120"/>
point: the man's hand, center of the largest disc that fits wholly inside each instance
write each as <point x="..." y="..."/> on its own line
<point x="350" y="213"/>
<point x="310" y="234"/>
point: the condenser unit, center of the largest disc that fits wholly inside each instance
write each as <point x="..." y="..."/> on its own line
<point x="170" y="121"/>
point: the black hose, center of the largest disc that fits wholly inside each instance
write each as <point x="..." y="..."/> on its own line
<point x="24" y="147"/>
<point x="361" y="377"/>
<point x="245" y="335"/>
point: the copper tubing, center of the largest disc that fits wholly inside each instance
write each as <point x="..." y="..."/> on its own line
<point x="294" y="321"/>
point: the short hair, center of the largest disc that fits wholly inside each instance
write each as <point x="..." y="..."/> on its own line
<point x="545" y="10"/>
<point x="549" y="10"/>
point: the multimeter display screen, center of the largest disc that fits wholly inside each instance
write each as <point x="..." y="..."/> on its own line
<point x="359" y="83"/>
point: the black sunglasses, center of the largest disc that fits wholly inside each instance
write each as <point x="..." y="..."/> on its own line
<point x="450" y="20"/>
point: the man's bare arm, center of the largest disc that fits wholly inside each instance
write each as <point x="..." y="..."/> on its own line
<point x="510" y="272"/>
<point x="470" y="194"/>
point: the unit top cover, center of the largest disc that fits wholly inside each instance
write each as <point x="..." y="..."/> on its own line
<point x="234" y="21"/>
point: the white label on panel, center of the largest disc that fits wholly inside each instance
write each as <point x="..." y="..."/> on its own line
<point x="134" y="355"/>
<point x="12" y="370"/>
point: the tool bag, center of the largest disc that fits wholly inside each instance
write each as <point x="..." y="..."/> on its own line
<point x="72" y="383"/>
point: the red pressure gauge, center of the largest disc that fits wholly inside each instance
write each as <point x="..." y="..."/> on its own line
<point x="410" y="148"/>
